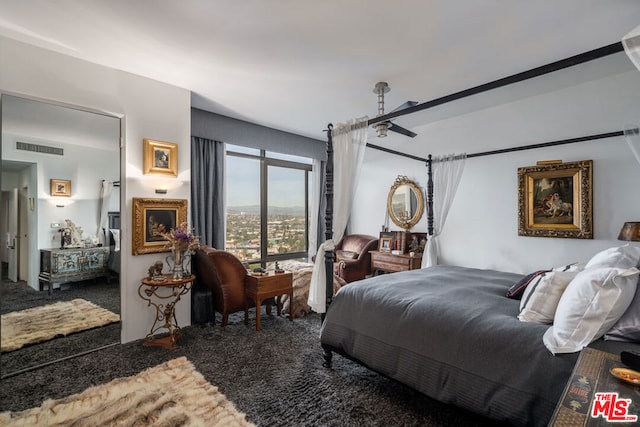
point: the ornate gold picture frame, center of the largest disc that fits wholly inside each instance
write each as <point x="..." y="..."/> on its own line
<point x="160" y="158"/>
<point x="556" y="200"/>
<point x="154" y="216"/>
<point x="61" y="188"/>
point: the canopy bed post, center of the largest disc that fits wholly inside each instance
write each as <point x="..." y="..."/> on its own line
<point x="329" y="254"/>
<point x="429" y="196"/>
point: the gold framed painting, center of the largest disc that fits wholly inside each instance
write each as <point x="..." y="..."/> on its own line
<point x="556" y="200"/>
<point x="61" y="187"/>
<point x="152" y="218"/>
<point x="160" y="158"/>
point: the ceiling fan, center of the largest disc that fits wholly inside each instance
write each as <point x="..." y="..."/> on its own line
<point x="381" y="128"/>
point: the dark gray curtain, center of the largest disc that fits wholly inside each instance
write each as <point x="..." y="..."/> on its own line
<point x="207" y="191"/>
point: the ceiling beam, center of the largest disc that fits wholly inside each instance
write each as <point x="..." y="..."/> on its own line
<point x="515" y="78"/>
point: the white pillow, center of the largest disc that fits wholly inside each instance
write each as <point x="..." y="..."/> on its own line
<point x="541" y="298"/>
<point x="626" y="256"/>
<point x="594" y="300"/>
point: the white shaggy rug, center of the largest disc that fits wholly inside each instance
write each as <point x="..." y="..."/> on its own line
<point x="38" y="324"/>
<point x="170" y="394"/>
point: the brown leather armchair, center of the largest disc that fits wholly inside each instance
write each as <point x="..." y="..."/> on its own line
<point x="224" y="274"/>
<point x="353" y="260"/>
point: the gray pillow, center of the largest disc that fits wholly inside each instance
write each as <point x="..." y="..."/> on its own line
<point x="627" y="328"/>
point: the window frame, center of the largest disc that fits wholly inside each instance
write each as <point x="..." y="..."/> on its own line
<point x="265" y="162"/>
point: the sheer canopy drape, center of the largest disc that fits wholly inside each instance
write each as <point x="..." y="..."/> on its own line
<point x="207" y="190"/>
<point x="349" y="143"/>
<point x="447" y="172"/>
<point x="632" y="135"/>
<point x="105" y="198"/>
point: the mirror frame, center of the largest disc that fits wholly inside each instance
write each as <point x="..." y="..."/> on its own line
<point x="407" y="224"/>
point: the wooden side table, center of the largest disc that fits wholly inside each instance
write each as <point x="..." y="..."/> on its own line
<point x="169" y="290"/>
<point x="388" y="262"/>
<point x="590" y="376"/>
<point x="259" y="288"/>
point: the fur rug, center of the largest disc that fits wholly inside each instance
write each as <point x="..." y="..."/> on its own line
<point x="301" y="282"/>
<point x="38" y="324"/>
<point x="170" y="394"/>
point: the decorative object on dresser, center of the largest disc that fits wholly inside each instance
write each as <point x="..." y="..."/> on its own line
<point x="555" y="200"/>
<point x="151" y="219"/>
<point x="72" y="265"/>
<point x="160" y="158"/>
<point x="405" y="203"/>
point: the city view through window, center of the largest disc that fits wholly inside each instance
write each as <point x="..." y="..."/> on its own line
<point x="267" y="208"/>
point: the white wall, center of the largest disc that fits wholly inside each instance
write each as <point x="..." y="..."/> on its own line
<point x="149" y="109"/>
<point x="481" y="230"/>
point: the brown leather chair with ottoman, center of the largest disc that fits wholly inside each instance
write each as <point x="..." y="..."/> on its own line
<point x="224" y="274"/>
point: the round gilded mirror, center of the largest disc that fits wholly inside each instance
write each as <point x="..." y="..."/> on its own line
<point x="405" y="203"/>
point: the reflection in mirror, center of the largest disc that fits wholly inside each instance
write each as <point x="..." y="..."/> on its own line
<point x="60" y="211"/>
<point x="405" y="203"/>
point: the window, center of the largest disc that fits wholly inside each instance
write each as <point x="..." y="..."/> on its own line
<point x="267" y="205"/>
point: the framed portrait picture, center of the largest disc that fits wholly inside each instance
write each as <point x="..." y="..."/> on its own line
<point x="160" y="158"/>
<point x="153" y="217"/>
<point x="61" y="187"/>
<point x="556" y="200"/>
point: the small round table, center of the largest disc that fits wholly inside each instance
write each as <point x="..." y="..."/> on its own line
<point x="155" y="291"/>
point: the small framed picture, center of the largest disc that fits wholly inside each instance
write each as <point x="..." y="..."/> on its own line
<point x="61" y="187"/>
<point x="160" y="158"/>
<point x="386" y="243"/>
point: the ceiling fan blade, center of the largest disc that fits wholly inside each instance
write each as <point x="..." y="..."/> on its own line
<point x="406" y="105"/>
<point x="399" y="129"/>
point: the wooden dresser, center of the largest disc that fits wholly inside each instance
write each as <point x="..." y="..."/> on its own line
<point x="387" y="262"/>
<point x="72" y="265"/>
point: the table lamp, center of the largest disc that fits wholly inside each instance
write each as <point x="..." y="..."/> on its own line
<point x="630" y="232"/>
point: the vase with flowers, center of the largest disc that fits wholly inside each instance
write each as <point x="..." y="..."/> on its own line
<point x="182" y="243"/>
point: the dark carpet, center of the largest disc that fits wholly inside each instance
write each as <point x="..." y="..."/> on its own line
<point x="19" y="296"/>
<point x="275" y="376"/>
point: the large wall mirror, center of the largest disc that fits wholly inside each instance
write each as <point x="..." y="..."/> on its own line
<point x="405" y="203"/>
<point x="60" y="169"/>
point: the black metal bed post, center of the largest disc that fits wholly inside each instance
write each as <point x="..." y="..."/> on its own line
<point x="429" y="196"/>
<point x="328" y="220"/>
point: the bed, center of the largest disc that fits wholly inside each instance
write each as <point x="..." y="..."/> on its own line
<point x="450" y="333"/>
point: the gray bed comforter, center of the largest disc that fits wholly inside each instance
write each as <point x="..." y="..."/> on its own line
<point x="450" y="332"/>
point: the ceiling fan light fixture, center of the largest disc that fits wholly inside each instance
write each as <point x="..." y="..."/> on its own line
<point x="381" y="129"/>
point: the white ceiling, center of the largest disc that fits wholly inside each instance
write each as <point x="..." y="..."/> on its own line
<point x="297" y="65"/>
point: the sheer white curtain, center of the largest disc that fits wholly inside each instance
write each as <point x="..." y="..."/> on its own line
<point x="349" y="142"/>
<point x="632" y="135"/>
<point x="447" y="171"/>
<point x="105" y="197"/>
<point x="631" y="44"/>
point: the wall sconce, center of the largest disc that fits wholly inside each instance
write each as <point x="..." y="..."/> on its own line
<point x="161" y="191"/>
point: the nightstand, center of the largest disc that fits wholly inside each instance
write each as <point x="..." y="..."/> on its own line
<point x="390" y="263"/>
<point x="259" y="288"/>
<point x="590" y="376"/>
